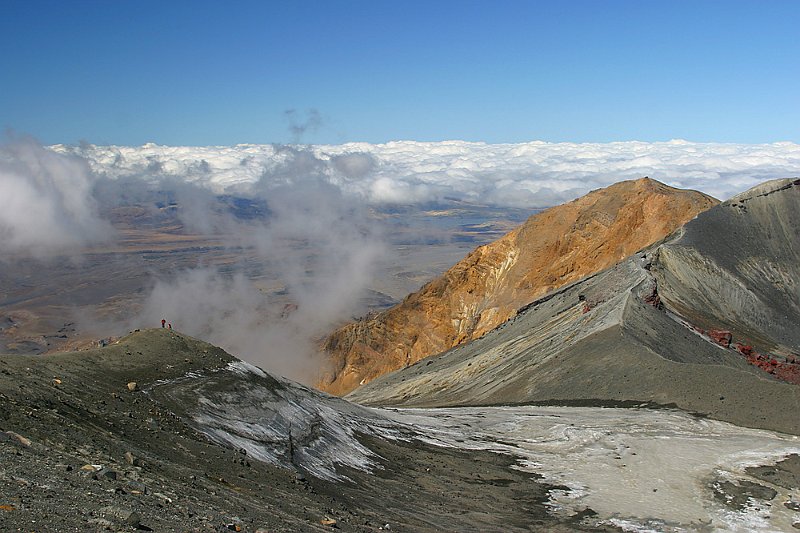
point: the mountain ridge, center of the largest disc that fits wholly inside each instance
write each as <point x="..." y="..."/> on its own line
<point x="686" y="322"/>
<point x="551" y="249"/>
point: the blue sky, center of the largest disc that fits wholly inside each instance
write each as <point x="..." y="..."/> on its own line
<point x="201" y="73"/>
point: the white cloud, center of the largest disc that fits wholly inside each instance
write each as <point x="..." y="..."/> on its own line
<point x="534" y="174"/>
<point x="316" y="254"/>
<point x="322" y="251"/>
<point x="46" y="203"/>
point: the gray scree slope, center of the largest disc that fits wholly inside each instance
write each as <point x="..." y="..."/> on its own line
<point x="738" y="266"/>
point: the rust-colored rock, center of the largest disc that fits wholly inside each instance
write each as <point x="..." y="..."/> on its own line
<point x="720" y="336"/>
<point x="744" y="349"/>
<point x="551" y="249"/>
<point x="653" y="299"/>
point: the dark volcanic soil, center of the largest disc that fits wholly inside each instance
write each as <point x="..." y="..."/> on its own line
<point x="785" y="474"/>
<point x="79" y="451"/>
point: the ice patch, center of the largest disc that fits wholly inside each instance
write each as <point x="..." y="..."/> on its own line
<point x="639" y="469"/>
<point x="278" y="422"/>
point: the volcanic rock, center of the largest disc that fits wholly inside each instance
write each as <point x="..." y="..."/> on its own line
<point x="550" y="250"/>
<point x="16" y="438"/>
<point x="357" y="465"/>
<point x="121" y="515"/>
<point x="721" y="337"/>
<point x="730" y="268"/>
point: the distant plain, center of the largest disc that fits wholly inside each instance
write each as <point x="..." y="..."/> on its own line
<point x="74" y="301"/>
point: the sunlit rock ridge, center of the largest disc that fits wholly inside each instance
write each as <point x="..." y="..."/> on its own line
<point x="532" y="174"/>
<point x="486" y="288"/>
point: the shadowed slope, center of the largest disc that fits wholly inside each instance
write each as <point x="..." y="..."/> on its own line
<point x="550" y="250"/>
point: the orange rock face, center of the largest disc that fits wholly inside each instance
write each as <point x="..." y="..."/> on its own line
<point x="551" y="249"/>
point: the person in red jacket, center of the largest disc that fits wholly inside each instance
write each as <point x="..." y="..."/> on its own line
<point x="163" y="322"/>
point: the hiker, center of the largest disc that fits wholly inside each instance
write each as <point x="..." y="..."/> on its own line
<point x="163" y="322"/>
<point x="170" y="325"/>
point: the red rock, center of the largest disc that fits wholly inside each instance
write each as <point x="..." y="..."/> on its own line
<point x="720" y="336"/>
<point x="653" y="299"/>
<point x="743" y="349"/>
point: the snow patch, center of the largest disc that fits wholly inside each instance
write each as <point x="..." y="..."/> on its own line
<point x="242" y="368"/>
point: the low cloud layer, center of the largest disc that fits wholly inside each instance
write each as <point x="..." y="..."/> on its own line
<point x="317" y="246"/>
<point x="303" y="267"/>
<point x="303" y="252"/>
<point x="46" y="205"/>
<point x="527" y="175"/>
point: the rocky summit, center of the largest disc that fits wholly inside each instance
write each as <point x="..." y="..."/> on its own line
<point x="705" y="321"/>
<point x="550" y="250"/>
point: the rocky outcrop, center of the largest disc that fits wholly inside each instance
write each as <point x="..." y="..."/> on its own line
<point x="486" y="288"/>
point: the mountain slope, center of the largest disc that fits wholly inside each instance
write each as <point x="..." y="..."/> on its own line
<point x="637" y="332"/>
<point x="550" y="250"/>
<point x="205" y="442"/>
<point x="737" y="268"/>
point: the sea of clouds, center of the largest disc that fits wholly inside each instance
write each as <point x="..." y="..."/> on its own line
<point x="534" y="174"/>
